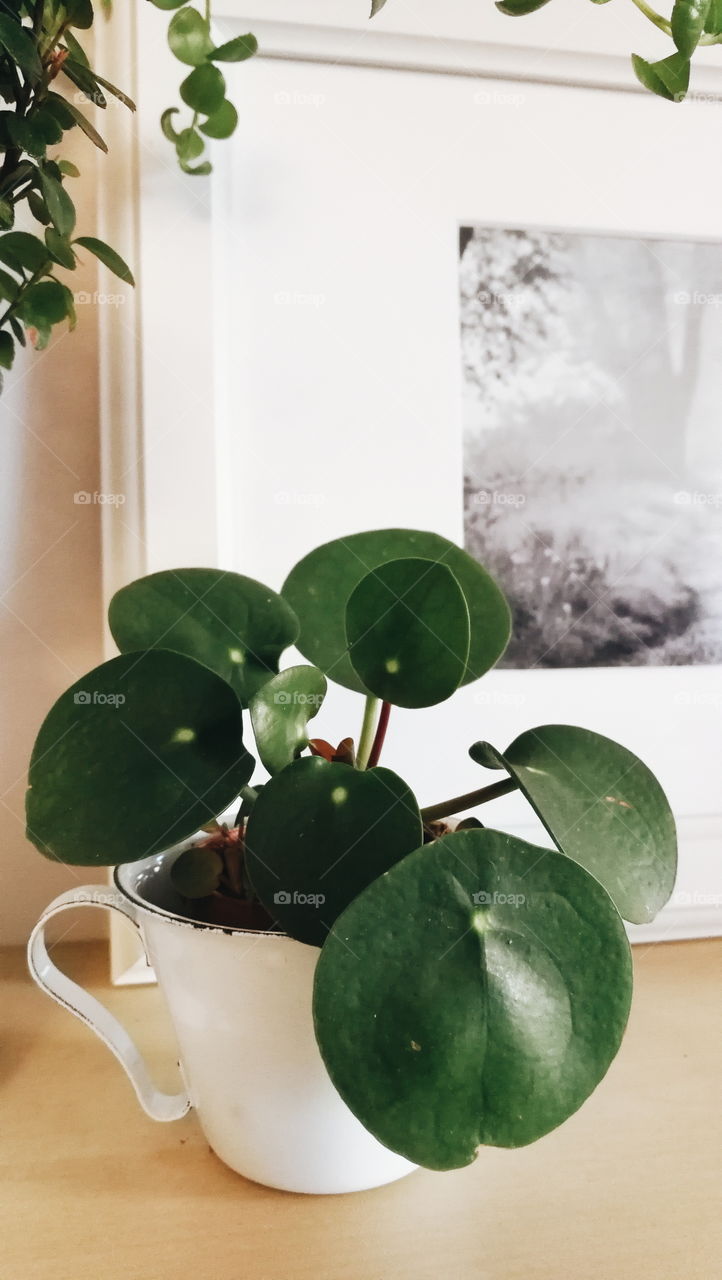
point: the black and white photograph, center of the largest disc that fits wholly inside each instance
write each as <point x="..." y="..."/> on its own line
<point x="592" y="448"/>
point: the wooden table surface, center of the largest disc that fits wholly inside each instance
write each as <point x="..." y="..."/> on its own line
<point x="629" y="1189"/>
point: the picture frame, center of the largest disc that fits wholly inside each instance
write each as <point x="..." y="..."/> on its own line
<point x="308" y="290"/>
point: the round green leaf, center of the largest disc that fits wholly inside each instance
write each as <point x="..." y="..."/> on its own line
<point x="43" y="304"/>
<point x="475" y="994"/>
<point x="189" y="144"/>
<point x="134" y="757"/>
<point x="407" y="626"/>
<point x="204" y="89"/>
<point x="222" y="123"/>
<point x="602" y="807"/>
<point x="188" y="36"/>
<point x="23" y="251"/>
<point x="232" y="624"/>
<point x="197" y="872"/>
<point x="167" y="4"/>
<point x="280" y="712"/>
<point x="319" y="833"/>
<point x="236" y="50"/>
<point x="320" y="585"/>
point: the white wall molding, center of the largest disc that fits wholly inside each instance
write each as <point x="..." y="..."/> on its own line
<point x="302" y="42"/>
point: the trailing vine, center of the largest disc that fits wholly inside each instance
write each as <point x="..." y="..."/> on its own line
<point x="46" y="80"/>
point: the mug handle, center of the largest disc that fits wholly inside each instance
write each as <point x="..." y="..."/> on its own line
<point x="159" y="1106"/>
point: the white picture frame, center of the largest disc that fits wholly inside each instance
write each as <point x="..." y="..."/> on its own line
<point x="307" y="293"/>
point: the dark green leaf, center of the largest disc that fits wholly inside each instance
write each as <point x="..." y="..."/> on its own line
<point x="234" y="625"/>
<point x="518" y="8"/>
<point x="713" y="24"/>
<point x="188" y="36"/>
<point x="8" y="287"/>
<point x="189" y="144"/>
<point x="60" y="109"/>
<point x="475" y="994"/>
<point x="22" y="251"/>
<point x="85" y="81"/>
<point x="7" y="215"/>
<point x="116" y="92"/>
<point x="166" y="124"/>
<point x="43" y="304"/>
<point x="167" y="4"/>
<point x="23" y="134"/>
<point x="80" y="14"/>
<point x="69" y="170"/>
<point x="668" y="78"/>
<point x="88" y="129"/>
<point x="280" y="713"/>
<point x="75" y="49"/>
<point x="236" y="50"/>
<point x="407" y="627"/>
<point x="60" y="206"/>
<point x="222" y="123"/>
<point x="135" y="757"/>
<point x="688" y="22"/>
<point x="107" y="256"/>
<point x="7" y="350"/>
<point x="20" y="45"/>
<point x="47" y="125"/>
<point x="18" y="330"/>
<point x="602" y="807"/>
<point x="320" y="585"/>
<point x="319" y="833"/>
<point x="204" y="89"/>
<point x="60" y="248"/>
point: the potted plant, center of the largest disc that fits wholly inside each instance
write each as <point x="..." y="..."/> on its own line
<point x="356" y="987"/>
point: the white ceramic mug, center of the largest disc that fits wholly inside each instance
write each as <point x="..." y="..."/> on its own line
<point x="240" y="1003"/>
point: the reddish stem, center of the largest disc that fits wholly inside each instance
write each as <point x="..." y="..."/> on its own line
<point x="381" y="728"/>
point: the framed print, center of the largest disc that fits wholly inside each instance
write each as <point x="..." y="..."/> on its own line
<point x="295" y="368"/>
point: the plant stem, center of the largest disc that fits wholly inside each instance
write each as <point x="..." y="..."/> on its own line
<point x="368" y="728"/>
<point x="381" y="728"/>
<point x="653" y="16"/>
<point x="469" y="801"/>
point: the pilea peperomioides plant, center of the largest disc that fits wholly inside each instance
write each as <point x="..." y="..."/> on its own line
<point x="471" y="988"/>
